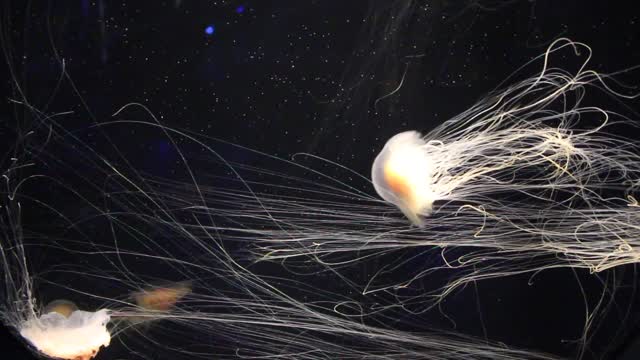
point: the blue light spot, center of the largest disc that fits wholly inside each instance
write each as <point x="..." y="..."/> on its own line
<point x="209" y="30"/>
<point x="240" y="9"/>
<point x="163" y="147"/>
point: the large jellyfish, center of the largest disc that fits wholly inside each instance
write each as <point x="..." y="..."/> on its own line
<point x="534" y="139"/>
<point x="528" y="171"/>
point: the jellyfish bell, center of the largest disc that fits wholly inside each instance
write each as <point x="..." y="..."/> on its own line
<point x="402" y="173"/>
<point x="62" y="331"/>
<point x="60" y="306"/>
<point x="162" y="298"/>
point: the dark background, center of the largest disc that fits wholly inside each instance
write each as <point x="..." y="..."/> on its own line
<point x="303" y="76"/>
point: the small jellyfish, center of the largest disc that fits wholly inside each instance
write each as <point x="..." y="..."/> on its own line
<point x="60" y="306"/>
<point x="162" y="298"/>
<point x="401" y="174"/>
<point x="62" y="331"/>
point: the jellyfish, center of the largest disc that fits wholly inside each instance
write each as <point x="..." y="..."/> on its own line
<point x="401" y="174"/>
<point x="161" y="298"/>
<point x="61" y="332"/>
<point x="57" y="330"/>
<point x="61" y="306"/>
<point x="528" y="171"/>
<point x="514" y="146"/>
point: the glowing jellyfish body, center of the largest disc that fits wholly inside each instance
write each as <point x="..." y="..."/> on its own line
<point x="162" y="298"/>
<point x="76" y="337"/>
<point x="61" y="306"/>
<point x="401" y="175"/>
